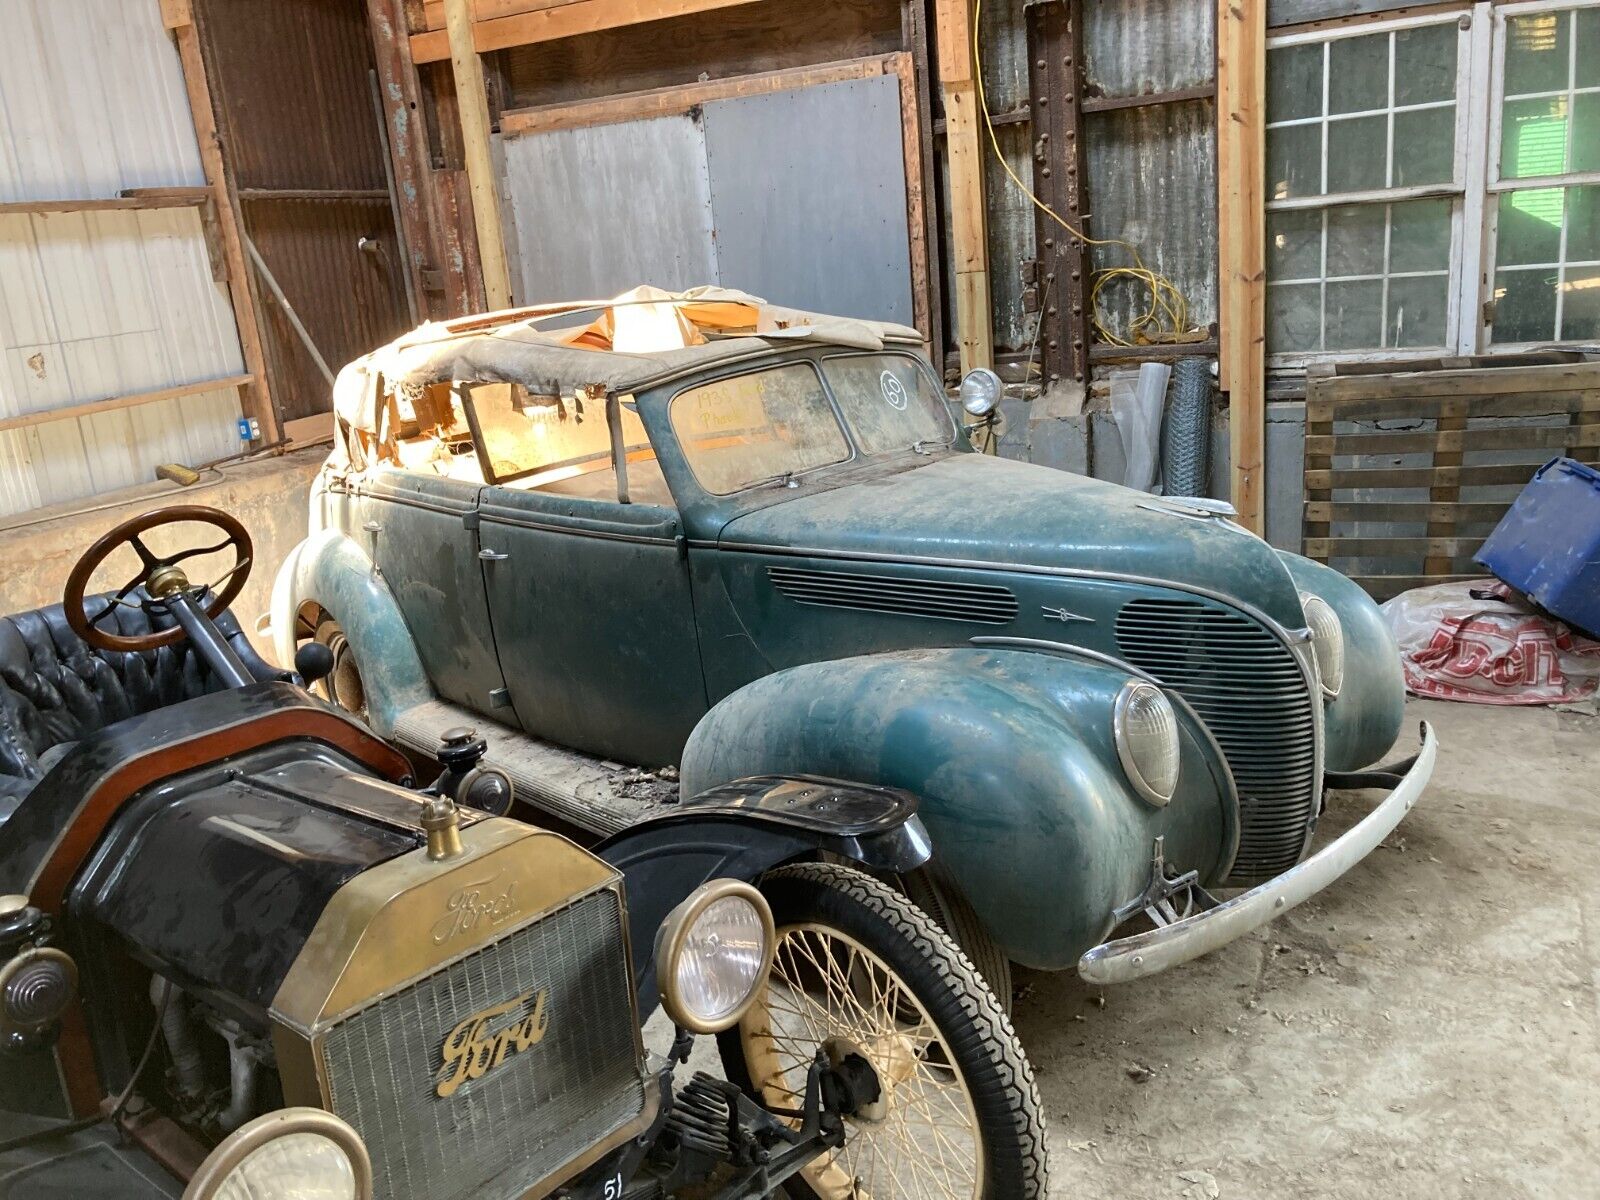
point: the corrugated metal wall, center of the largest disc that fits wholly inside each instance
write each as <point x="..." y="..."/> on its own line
<point x="95" y="305"/>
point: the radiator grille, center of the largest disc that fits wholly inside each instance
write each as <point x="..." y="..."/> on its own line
<point x="941" y="599"/>
<point x="1247" y="686"/>
<point x="501" y="1133"/>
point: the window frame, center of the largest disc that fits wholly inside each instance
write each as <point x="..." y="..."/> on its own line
<point x="1458" y="191"/>
<point x="1495" y="184"/>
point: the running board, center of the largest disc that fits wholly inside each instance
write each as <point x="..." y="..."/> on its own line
<point x="601" y="797"/>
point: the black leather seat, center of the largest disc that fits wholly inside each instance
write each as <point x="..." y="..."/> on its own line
<point x="55" y="687"/>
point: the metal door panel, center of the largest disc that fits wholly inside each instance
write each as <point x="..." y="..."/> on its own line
<point x="592" y="614"/>
<point x="429" y="559"/>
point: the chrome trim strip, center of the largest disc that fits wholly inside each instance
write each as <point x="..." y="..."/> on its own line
<point x="1225" y="864"/>
<point x="1149" y="953"/>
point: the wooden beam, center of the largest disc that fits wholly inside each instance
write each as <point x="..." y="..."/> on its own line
<point x="1241" y="247"/>
<point x="669" y="101"/>
<point x="552" y="23"/>
<point x="256" y="395"/>
<point x="1098" y="104"/>
<point x="93" y="407"/>
<point x="472" y="106"/>
<point x="139" y="201"/>
<point x="969" y="232"/>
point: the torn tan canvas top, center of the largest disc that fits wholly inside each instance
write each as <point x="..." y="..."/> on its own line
<point x="632" y="341"/>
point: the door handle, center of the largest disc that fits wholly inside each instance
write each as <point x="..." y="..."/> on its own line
<point x="493" y="555"/>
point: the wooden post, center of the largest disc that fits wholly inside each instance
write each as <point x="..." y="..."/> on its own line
<point x="964" y="145"/>
<point x="257" y="395"/>
<point x="1241" y="245"/>
<point x="472" y="103"/>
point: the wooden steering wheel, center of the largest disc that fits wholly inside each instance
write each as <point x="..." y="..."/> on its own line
<point x="161" y="577"/>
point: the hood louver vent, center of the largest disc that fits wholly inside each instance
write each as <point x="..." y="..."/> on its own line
<point x="939" y="599"/>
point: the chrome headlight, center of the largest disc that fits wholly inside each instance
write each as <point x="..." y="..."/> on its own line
<point x="713" y="953"/>
<point x="980" y="391"/>
<point x="1146" y="733"/>
<point x="1327" y="642"/>
<point x="290" y="1154"/>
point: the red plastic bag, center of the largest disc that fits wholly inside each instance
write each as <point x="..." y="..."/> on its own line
<point x="1480" y="641"/>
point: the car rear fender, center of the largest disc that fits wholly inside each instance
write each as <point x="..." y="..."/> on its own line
<point x="1012" y="756"/>
<point x="332" y="571"/>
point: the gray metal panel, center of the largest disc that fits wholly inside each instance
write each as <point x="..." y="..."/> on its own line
<point x="1134" y="47"/>
<point x="604" y="208"/>
<point x="808" y="189"/>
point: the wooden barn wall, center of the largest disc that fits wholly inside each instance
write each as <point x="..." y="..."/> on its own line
<point x="306" y="152"/>
<point x="743" y="40"/>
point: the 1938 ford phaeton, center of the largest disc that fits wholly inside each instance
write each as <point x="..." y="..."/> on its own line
<point x="224" y="903"/>
<point x="699" y="530"/>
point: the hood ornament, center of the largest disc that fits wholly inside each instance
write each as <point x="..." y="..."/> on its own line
<point x="1062" y="615"/>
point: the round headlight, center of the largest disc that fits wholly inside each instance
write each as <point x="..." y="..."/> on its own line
<point x="1146" y="732"/>
<point x="713" y="953"/>
<point x="981" y="391"/>
<point x="1327" y="642"/>
<point x="292" y="1154"/>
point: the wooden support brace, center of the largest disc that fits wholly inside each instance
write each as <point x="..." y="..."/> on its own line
<point x="968" y="220"/>
<point x="256" y="396"/>
<point x="472" y="106"/>
<point x="1241" y="246"/>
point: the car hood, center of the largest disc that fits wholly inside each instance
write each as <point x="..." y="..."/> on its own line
<point x="998" y="512"/>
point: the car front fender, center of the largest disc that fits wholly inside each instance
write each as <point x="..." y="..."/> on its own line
<point x="330" y="570"/>
<point x="1363" y="723"/>
<point x="1011" y="754"/>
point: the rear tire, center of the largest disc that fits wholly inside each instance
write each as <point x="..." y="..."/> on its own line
<point x="342" y="686"/>
<point x="860" y="969"/>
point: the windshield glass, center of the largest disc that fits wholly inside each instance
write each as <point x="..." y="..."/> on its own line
<point x="888" y="401"/>
<point x="751" y="428"/>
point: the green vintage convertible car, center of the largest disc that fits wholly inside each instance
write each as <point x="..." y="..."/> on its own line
<point x="699" y="534"/>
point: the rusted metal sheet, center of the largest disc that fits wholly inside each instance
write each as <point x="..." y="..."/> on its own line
<point x="306" y="152"/>
<point x="1136" y="47"/>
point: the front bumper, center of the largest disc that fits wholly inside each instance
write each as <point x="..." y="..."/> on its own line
<point x="1130" y="958"/>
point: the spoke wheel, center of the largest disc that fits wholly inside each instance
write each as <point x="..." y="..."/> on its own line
<point x="948" y="1107"/>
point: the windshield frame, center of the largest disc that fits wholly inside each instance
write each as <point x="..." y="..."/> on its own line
<point x="757" y="369"/>
<point x="922" y="368"/>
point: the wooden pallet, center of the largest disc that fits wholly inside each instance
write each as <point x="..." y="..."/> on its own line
<point x="1466" y="437"/>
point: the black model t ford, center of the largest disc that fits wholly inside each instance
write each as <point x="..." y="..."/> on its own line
<point x="239" y="949"/>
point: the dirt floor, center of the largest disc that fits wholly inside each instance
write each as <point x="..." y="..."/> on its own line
<point x="1428" y="1027"/>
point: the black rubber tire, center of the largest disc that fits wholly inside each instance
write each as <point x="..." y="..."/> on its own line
<point x="1010" y="1115"/>
<point x="342" y="686"/>
<point x="933" y="891"/>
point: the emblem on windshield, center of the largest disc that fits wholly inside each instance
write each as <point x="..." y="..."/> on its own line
<point x="893" y="390"/>
<point x="1062" y="615"/>
<point x="472" y="1049"/>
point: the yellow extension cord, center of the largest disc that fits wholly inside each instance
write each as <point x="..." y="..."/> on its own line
<point x="1167" y="312"/>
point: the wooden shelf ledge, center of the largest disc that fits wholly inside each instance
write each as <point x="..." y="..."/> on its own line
<point x="113" y="403"/>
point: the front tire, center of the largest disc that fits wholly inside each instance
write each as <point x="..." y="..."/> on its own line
<point x="861" y="970"/>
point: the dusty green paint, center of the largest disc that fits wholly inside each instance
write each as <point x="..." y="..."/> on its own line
<point x="617" y="627"/>
<point x="1364" y="721"/>
<point x="1012" y="754"/>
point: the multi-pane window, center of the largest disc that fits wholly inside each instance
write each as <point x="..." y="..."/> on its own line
<point x="1546" y="184"/>
<point x="1362" y="171"/>
<point x="1433" y="183"/>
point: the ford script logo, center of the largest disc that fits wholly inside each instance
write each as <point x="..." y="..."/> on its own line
<point x="485" y="1040"/>
<point x="486" y="903"/>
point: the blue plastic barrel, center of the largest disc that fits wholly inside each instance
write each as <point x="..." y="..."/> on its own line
<point x="1547" y="546"/>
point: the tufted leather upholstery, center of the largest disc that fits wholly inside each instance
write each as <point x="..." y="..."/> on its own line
<point x="55" y="688"/>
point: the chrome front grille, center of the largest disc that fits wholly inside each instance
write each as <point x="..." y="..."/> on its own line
<point x="941" y="599"/>
<point x="533" y="1112"/>
<point x="1247" y="686"/>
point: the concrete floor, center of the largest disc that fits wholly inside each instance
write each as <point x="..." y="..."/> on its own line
<point x="1428" y="1027"/>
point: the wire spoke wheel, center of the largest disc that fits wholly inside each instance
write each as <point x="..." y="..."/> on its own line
<point x="944" y="1105"/>
<point x="343" y="684"/>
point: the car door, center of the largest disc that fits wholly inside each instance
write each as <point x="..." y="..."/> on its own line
<point x="592" y="614"/>
<point x="419" y="528"/>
